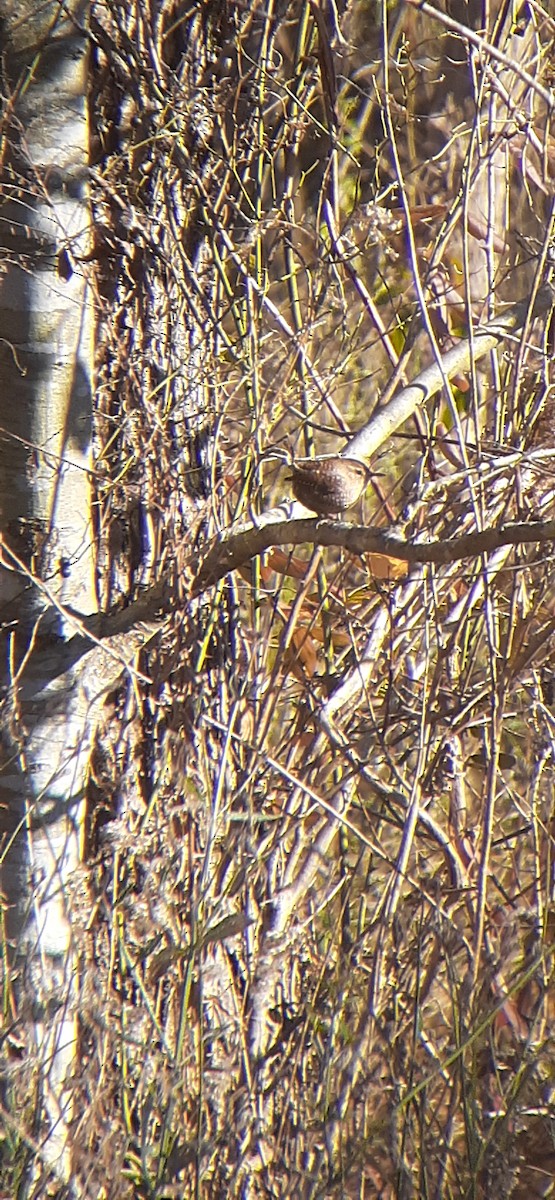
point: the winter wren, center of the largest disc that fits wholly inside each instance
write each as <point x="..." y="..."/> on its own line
<point x="329" y="484"/>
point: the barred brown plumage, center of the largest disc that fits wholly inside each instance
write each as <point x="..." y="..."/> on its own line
<point x="329" y="484"/>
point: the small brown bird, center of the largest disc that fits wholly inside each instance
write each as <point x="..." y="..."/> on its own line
<point x="329" y="484"/>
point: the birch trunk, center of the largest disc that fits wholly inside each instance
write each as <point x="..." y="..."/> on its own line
<point x="47" y="561"/>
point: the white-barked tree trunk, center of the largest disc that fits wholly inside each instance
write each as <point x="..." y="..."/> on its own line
<point x="47" y="558"/>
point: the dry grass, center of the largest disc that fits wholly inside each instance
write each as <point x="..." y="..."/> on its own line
<point x="316" y="951"/>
